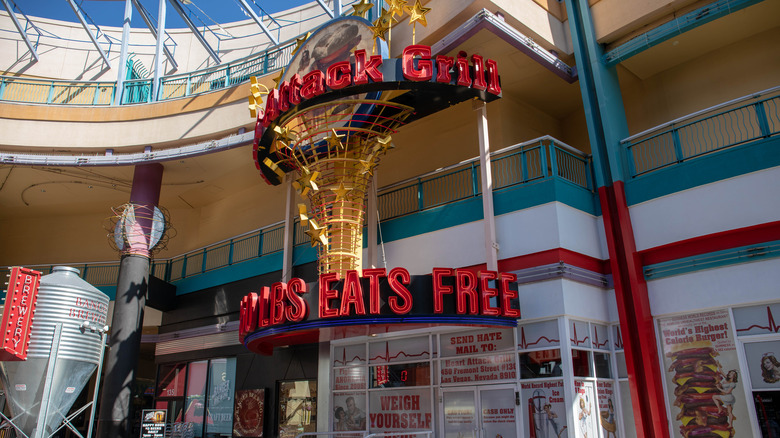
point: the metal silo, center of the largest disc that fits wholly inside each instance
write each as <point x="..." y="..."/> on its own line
<point x="77" y="310"/>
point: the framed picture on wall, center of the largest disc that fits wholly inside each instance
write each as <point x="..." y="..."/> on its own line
<point x="297" y="407"/>
<point x="248" y="419"/>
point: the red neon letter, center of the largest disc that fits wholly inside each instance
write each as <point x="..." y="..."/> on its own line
<point x="479" y="72"/>
<point x="488" y="292"/>
<point x="298" y="310"/>
<point x="327" y="294"/>
<point x="295" y="89"/>
<point x="263" y="298"/>
<point x="313" y="84"/>
<point x="278" y="292"/>
<point x="339" y="75"/>
<point x="397" y="286"/>
<point x="284" y="97"/>
<point x="464" y="78"/>
<point x="363" y="71"/>
<point x="443" y="65"/>
<point x="493" y="83"/>
<point x="247" y="319"/>
<point x="424" y="70"/>
<point x="439" y="289"/>
<point x="508" y="295"/>
<point x="373" y="276"/>
<point x="352" y="294"/>
<point x="466" y="289"/>
<point x="271" y="107"/>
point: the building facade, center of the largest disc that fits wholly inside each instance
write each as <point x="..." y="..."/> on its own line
<point x="625" y="181"/>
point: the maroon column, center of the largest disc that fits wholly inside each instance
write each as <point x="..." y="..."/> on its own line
<point x="115" y="419"/>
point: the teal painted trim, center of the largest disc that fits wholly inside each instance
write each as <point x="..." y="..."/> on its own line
<point x="677" y="26"/>
<point x="717" y="166"/>
<point x="108" y="290"/>
<point x="228" y="274"/>
<point x="506" y="200"/>
<point x="728" y="257"/>
<point x="303" y="254"/>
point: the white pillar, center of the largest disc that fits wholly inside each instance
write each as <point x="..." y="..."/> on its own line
<point x="120" y="75"/>
<point x="489" y="221"/>
<point x="289" y="230"/>
<point x="158" y="51"/>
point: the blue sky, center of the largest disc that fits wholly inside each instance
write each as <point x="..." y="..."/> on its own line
<point x="111" y="12"/>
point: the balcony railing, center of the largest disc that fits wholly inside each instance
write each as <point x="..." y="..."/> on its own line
<point x="540" y="159"/>
<point x="727" y="125"/>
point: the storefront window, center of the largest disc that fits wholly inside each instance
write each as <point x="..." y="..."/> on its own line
<point x="400" y="375"/>
<point x="220" y="397"/>
<point x="580" y="363"/>
<point x="601" y="361"/>
<point x="171" y="380"/>
<point x="404" y="409"/>
<point x="297" y="408"/>
<point x="195" y="401"/>
<point x="399" y="350"/>
<point x="541" y="363"/>
<point x="580" y="336"/>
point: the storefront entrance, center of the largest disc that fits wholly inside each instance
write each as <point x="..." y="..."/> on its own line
<point x="488" y="411"/>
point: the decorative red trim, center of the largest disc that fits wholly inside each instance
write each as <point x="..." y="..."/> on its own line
<point x="711" y="242"/>
<point x="554" y="255"/>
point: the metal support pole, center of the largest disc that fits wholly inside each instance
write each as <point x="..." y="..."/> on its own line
<point x="158" y="51"/>
<point x="120" y="75"/>
<point x="489" y="220"/>
<point x="40" y="429"/>
<point x="97" y="382"/>
<point x="21" y="31"/>
<point x="153" y="30"/>
<point x="289" y="228"/>
<point x="77" y="10"/>
<point x="244" y="5"/>
<point x="372" y="220"/>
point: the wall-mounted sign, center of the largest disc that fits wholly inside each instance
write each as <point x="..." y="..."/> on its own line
<point x="20" y="300"/>
<point x="153" y="423"/>
<point x="248" y="419"/>
<point x="456" y="296"/>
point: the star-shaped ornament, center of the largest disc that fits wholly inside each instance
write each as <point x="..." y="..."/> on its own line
<point x="383" y="144"/>
<point x="334" y="139"/>
<point x="317" y="234"/>
<point x="306" y="182"/>
<point x="379" y="29"/>
<point x="341" y="192"/>
<point x="417" y="13"/>
<point x="366" y="166"/>
<point x="284" y="135"/>
<point x="278" y="79"/>
<point x="299" y="42"/>
<point x="386" y="19"/>
<point x="303" y="215"/>
<point x="397" y="7"/>
<point x="361" y="8"/>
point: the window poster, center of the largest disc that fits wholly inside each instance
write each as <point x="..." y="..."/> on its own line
<point x="400" y="410"/>
<point x="585" y="409"/>
<point x="297" y="409"/>
<point x="703" y="377"/>
<point x="249" y="413"/>
<point x="153" y="423"/>
<point x="544" y="411"/>
<point x="763" y="361"/>
<point x="349" y="411"/>
<point x="607" y="415"/>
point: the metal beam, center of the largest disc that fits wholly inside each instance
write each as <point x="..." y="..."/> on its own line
<point x="77" y="10"/>
<point x="21" y="31"/>
<point x="259" y="22"/>
<point x="150" y="25"/>
<point x="176" y="5"/>
<point x="120" y="74"/>
<point x="327" y="9"/>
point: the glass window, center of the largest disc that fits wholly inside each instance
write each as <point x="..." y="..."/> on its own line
<point x="600" y="336"/>
<point x="196" y="395"/>
<point x="756" y="320"/>
<point x="538" y="335"/>
<point x="541" y="363"/>
<point x="621" y="365"/>
<point x="579" y="333"/>
<point x="349" y="355"/>
<point x="297" y="408"/>
<point x="171" y="380"/>
<point x="394" y="376"/>
<point x="601" y="360"/>
<point x="399" y="350"/>
<point x="580" y="361"/>
<point x="222" y="384"/>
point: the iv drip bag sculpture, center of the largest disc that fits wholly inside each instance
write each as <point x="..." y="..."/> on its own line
<point x="330" y="147"/>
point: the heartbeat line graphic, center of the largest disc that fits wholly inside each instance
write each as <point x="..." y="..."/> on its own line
<point x="526" y="344"/>
<point x="576" y="340"/>
<point x="770" y="323"/>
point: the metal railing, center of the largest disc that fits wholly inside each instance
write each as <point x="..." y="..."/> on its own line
<point x="15" y="89"/>
<point x="536" y="160"/>
<point x="730" y="124"/>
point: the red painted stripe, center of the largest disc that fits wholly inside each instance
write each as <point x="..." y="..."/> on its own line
<point x="712" y="242"/>
<point x="554" y="255"/>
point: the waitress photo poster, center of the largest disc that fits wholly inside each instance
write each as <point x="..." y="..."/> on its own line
<point x="704" y="382"/>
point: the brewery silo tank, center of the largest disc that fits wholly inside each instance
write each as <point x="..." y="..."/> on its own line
<point x="65" y="298"/>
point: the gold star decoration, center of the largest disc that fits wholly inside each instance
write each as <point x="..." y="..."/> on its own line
<point x="274" y="166"/>
<point x="383" y="144"/>
<point x="255" y="96"/>
<point x="341" y="192"/>
<point x="361" y="8"/>
<point x="278" y="79"/>
<point x="367" y="166"/>
<point x="386" y="19"/>
<point x="317" y="234"/>
<point x="306" y="182"/>
<point x="299" y="42"/>
<point x="379" y="29"/>
<point x="397" y="7"/>
<point x="303" y="214"/>
<point x="417" y="13"/>
<point x="334" y="139"/>
<point x="284" y="135"/>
